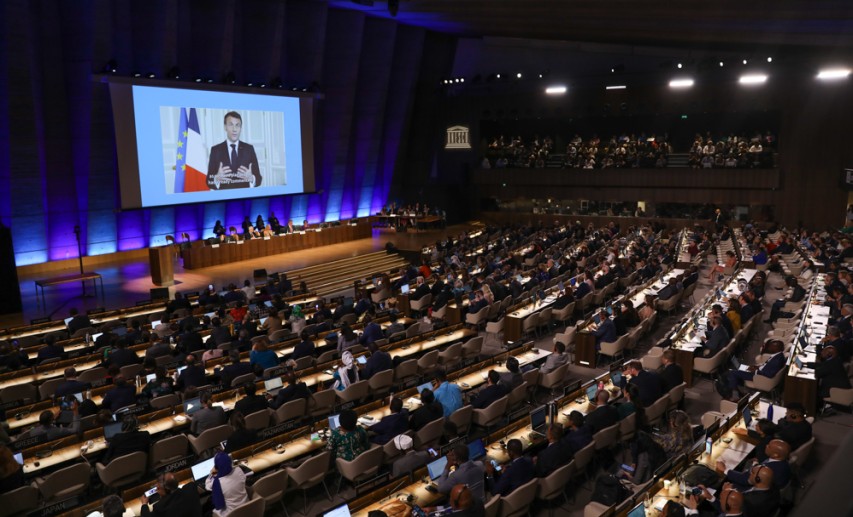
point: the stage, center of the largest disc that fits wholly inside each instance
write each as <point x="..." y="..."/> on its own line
<point x="127" y="278"/>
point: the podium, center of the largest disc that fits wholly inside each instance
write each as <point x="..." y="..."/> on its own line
<point x="161" y="266"/>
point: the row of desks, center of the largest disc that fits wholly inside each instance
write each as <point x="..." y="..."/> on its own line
<point x="296" y="444"/>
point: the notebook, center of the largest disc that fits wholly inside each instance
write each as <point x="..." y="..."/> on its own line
<point x="273" y="385"/>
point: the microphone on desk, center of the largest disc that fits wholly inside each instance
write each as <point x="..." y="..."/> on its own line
<point x="258" y="448"/>
<point x="397" y="487"/>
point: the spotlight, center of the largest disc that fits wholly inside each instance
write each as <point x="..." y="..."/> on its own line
<point x="679" y="65"/>
<point x="462" y="80"/>
<point x="681" y="83"/>
<point x="137" y="74"/>
<point x="518" y="75"/>
<point x="831" y="74"/>
<point x="198" y="79"/>
<point x="721" y="64"/>
<point x="151" y="75"/>
<point x="555" y="90"/>
<point x="263" y="85"/>
<point x="250" y="84"/>
<point x="174" y="73"/>
<point x="540" y="76"/>
<point x="209" y="80"/>
<point x="752" y="79"/>
<point x="612" y="70"/>
<point x="498" y="76"/>
<point x="769" y="59"/>
<point x="744" y="61"/>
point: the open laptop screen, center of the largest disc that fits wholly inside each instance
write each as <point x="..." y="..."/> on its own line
<point x="436" y="468"/>
<point x="202" y="470"/>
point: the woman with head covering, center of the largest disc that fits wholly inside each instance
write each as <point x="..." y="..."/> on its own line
<point x="346" y="373"/>
<point x="226" y="484"/>
<point x="297" y="319"/>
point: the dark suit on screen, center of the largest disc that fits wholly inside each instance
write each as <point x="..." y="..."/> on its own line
<point x="221" y="153"/>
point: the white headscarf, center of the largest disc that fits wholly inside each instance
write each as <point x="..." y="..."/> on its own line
<point x="347" y="363"/>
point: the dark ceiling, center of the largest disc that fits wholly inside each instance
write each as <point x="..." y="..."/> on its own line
<point x="825" y="25"/>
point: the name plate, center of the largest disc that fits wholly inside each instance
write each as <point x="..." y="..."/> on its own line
<point x="12" y="404"/>
<point x="240" y="242"/>
<point x="57" y="508"/>
<point x="214" y="245"/>
<point x="372" y="483"/>
<point x="266" y="237"/>
<point x="176" y="465"/>
<point x="278" y="372"/>
<point x="269" y="432"/>
<point x="26" y="443"/>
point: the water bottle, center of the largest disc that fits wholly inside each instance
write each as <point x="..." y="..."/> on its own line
<point x="770" y="412"/>
<point x="88" y="339"/>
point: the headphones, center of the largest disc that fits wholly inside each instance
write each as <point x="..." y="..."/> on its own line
<point x="758" y="474"/>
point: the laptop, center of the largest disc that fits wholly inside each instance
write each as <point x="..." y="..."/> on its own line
<point x="638" y="511"/>
<point x="180" y="370"/>
<point x="537" y="420"/>
<point x="334" y="422"/>
<point x="425" y="386"/>
<point x="436" y="468"/>
<point x="561" y="286"/>
<point x="738" y="365"/>
<point x="202" y="470"/>
<point x="262" y="320"/>
<point x="801" y="365"/>
<point x="404" y="289"/>
<point x="273" y="385"/>
<point x="573" y="281"/>
<point x="747" y="418"/>
<point x="596" y="319"/>
<point x="19" y="457"/>
<point x="268" y="303"/>
<point x="111" y="429"/>
<point x="476" y="449"/>
<point x="591" y="392"/>
<point x="120" y="331"/>
<point x="340" y="511"/>
<point x="616" y="378"/>
<point x="192" y="405"/>
<point x="361" y="359"/>
<point x="155" y="323"/>
<point x="94" y="337"/>
<point x="68" y="320"/>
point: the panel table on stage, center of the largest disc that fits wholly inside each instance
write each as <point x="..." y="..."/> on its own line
<point x="200" y="255"/>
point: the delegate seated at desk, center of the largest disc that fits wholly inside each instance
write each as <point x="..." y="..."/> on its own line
<point x="605" y="330"/>
<point x="517" y="472"/>
<point x="461" y="470"/>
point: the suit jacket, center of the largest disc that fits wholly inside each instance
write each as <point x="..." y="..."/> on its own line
<point x="80" y="321"/>
<point x="578" y="439"/>
<point x="408" y="462"/>
<point x="69" y="387"/>
<point x="126" y="443"/>
<point x="831" y="374"/>
<point x="290" y="392"/>
<point x="795" y="433"/>
<point x="606" y="332"/>
<point x="772" y="366"/>
<point x="717" y="339"/>
<point x="554" y="456"/>
<point x="649" y="385"/>
<point x="184" y="502"/>
<point x="303" y="349"/>
<point x="426" y="414"/>
<point x="378" y="362"/>
<point x="553" y="362"/>
<point x="122" y="357"/>
<point x="206" y="418"/>
<point x="119" y="397"/>
<point x="390" y="426"/>
<point x="221" y="153"/>
<point x="517" y="473"/>
<point x="760" y="503"/>
<point x="193" y="376"/>
<point x="470" y="473"/>
<point x="601" y="417"/>
<point x="250" y="404"/>
<point x="232" y="371"/>
<point x="488" y="395"/>
<point x="671" y="376"/>
<point x="420" y="292"/>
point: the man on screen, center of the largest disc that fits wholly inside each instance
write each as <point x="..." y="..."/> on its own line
<point x="233" y="164"/>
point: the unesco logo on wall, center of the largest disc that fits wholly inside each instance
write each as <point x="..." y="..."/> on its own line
<point x="458" y="137"/>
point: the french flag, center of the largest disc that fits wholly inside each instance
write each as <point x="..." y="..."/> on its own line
<point x="195" y="167"/>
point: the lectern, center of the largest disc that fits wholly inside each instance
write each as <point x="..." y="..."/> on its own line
<point x="160" y="263"/>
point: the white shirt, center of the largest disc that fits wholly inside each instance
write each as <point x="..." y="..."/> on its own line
<point x="233" y="488"/>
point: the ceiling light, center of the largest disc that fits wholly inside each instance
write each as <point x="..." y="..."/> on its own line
<point x="679" y="65"/>
<point x="498" y="76"/>
<point x="616" y="87"/>
<point x="462" y="80"/>
<point x="744" y="61"/>
<point x="681" y="83"/>
<point x="518" y="75"/>
<point x="721" y="64"/>
<point x="769" y="59"/>
<point x="555" y="90"/>
<point x="833" y="73"/>
<point x="753" y="79"/>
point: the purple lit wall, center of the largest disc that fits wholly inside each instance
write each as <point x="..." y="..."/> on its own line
<point x="57" y="149"/>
